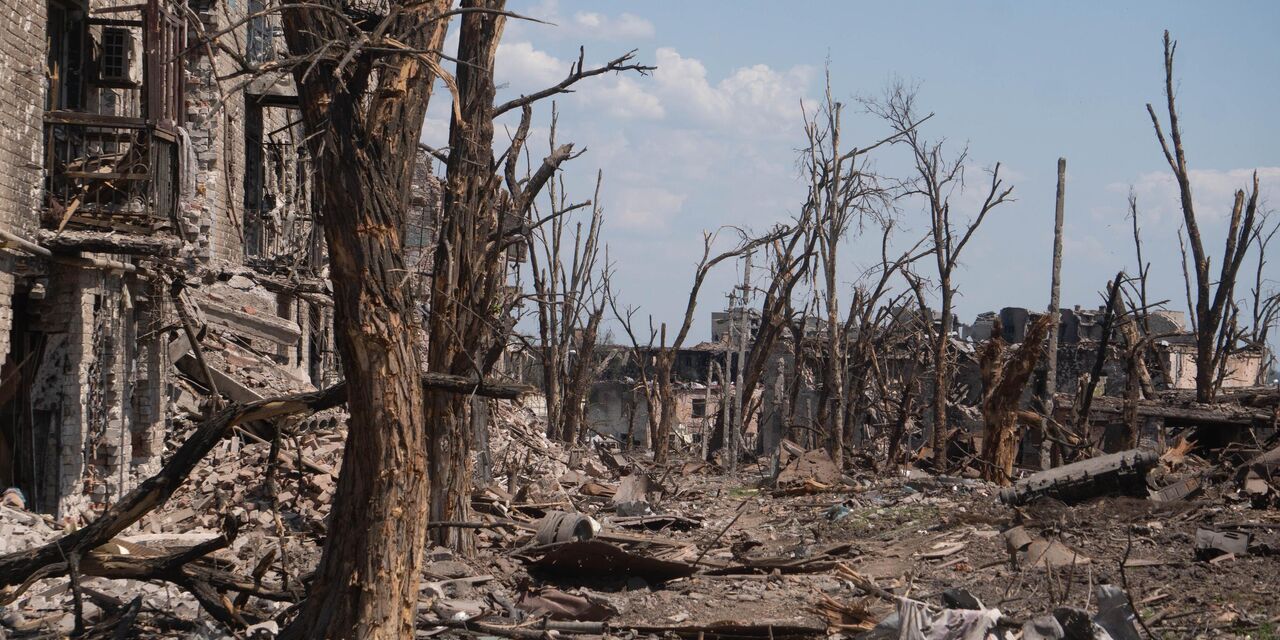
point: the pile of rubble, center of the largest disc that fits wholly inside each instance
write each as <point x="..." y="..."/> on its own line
<point x="590" y="540"/>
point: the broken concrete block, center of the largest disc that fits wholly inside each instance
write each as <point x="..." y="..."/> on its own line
<point x="815" y="465"/>
<point x="633" y="495"/>
<point x="1053" y="554"/>
<point x="1177" y="491"/>
<point x="1210" y="543"/>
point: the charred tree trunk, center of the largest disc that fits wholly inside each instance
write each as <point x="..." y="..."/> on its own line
<point x="1055" y="287"/>
<point x="666" y="395"/>
<point x="1214" y="296"/>
<point x="468" y="309"/>
<point x="941" y="381"/>
<point x="580" y="379"/>
<point x="363" y="127"/>
<point x="556" y="428"/>
<point x="1003" y="381"/>
<point x="905" y="403"/>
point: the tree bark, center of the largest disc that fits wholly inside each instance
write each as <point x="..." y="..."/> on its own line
<point x="468" y="308"/>
<point x="905" y="402"/>
<point x="941" y="381"/>
<point x="666" y="392"/>
<point x="1055" y="286"/>
<point x="580" y="379"/>
<point x="363" y="114"/>
<point x="1003" y="381"/>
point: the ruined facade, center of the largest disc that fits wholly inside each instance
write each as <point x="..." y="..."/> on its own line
<point x="134" y="184"/>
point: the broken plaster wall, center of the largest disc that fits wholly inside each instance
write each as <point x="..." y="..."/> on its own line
<point x="1243" y="369"/>
<point x="617" y="408"/>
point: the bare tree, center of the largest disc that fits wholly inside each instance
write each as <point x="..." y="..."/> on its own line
<point x="364" y="128"/>
<point x="790" y="261"/>
<point x="842" y="191"/>
<point x="1212" y="311"/>
<point x="642" y="357"/>
<point x="660" y="387"/>
<point x="873" y="327"/>
<point x="1265" y="300"/>
<point x="569" y="297"/>
<point x="937" y="178"/>
<point x="364" y="89"/>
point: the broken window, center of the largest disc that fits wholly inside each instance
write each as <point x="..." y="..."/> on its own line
<point x="279" y="221"/>
<point x="115" y="57"/>
<point x="64" y="71"/>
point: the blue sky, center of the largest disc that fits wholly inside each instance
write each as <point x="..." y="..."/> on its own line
<point x="710" y="138"/>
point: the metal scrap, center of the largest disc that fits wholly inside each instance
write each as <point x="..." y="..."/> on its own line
<point x="1124" y="472"/>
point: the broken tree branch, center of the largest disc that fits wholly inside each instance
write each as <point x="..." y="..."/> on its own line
<point x="15" y="568"/>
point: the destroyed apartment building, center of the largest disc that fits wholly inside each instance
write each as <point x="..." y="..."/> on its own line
<point x="616" y="408"/>
<point x="144" y="205"/>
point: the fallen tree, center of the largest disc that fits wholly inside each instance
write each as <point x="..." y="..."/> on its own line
<point x="15" y="568"/>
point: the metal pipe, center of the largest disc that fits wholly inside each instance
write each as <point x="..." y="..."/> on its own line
<point x="75" y="261"/>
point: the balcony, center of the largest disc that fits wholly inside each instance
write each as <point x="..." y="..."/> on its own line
<point x="108" y="173"/>
<point x="111" y="129"/>
<point x="280" y="234"/>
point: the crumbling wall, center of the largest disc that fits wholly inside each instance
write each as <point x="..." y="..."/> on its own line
<point x="1243" y="369"/>
<point x="617" y="408"/>
<point x="85" y="388"/>
<point x="22" y="96"/>
<point x="212" y="214"/>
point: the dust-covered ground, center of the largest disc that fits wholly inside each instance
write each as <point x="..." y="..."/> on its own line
<point x="688" y="549"/>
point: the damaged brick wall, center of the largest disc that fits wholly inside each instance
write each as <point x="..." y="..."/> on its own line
<point x="22" y="96"/>
<point x="99" y="392"/>
<point x="96" y="392"/>
<point x="212" y="214"/>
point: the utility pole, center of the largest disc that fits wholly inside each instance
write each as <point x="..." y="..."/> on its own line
<point x="1051" y="376"/>
<point x="744" y="328"/>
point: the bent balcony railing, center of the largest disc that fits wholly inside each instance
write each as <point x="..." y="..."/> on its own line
<point x="111" y="141"/>
<point x="108" y="172"/>
<point x="280" y="231"/>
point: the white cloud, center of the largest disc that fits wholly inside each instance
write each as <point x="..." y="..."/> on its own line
<point x="625" y="26"/>
<point x="755" y="98"/>
<point x="1212" y="191"/>
<point x="523" y="67"/>
<point x="624" y="98"/>
<point x="644" y="208"/>
<point x="1084" y="248"/>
